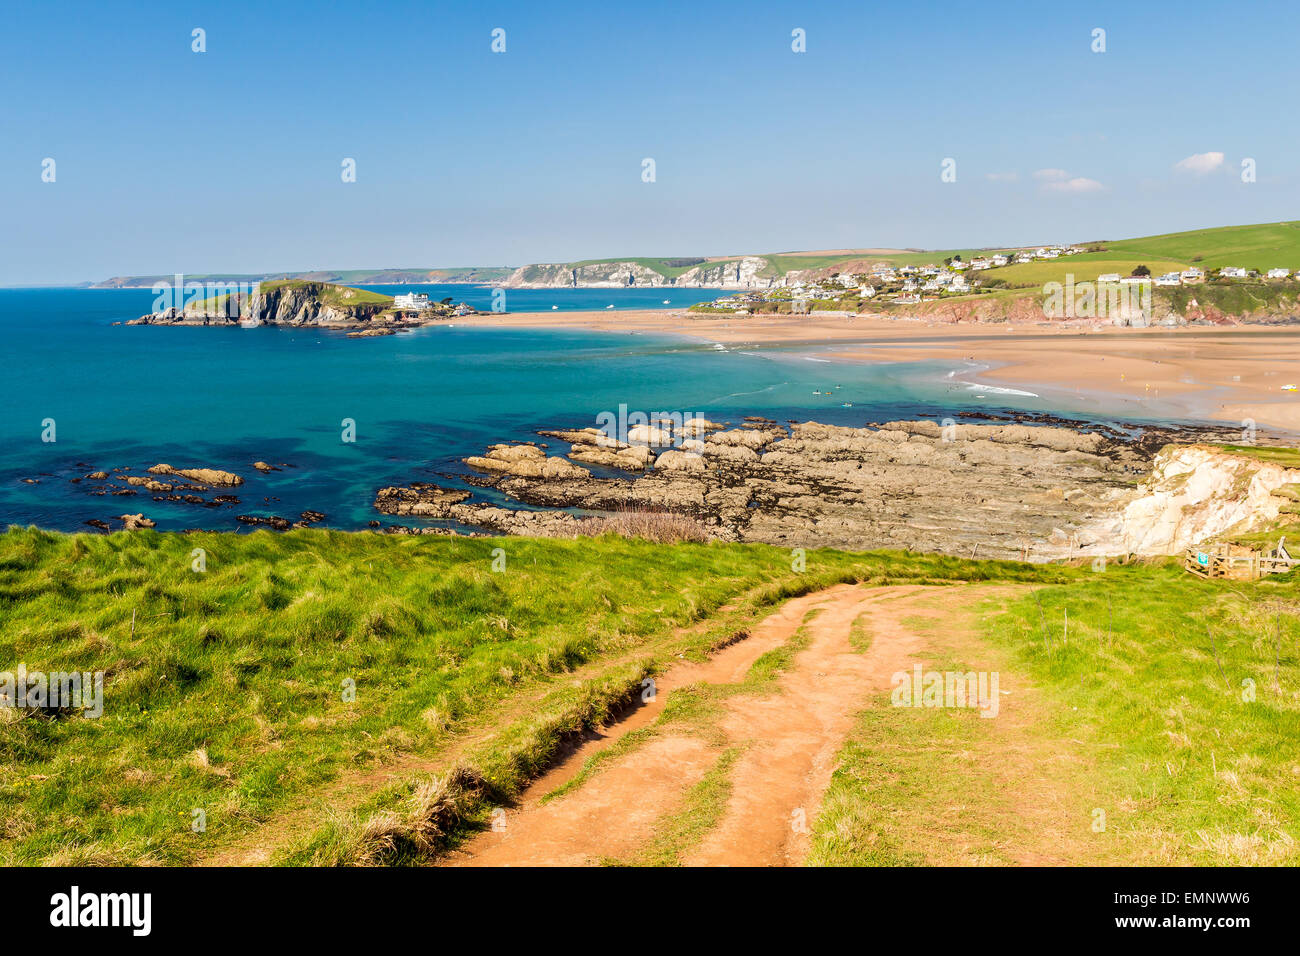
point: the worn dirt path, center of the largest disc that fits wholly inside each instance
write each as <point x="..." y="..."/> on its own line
<point x="259" y="845"/>
<point x="789" y="740"/>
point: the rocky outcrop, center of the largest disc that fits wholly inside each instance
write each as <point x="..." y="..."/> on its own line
<point x="526" y="461"/>
<point x="1194" y="493"/>
<point x="624" y="457"/>
<point x="419" y="498"/>
<point x="300" y="303"/>
<point x="996" y="490"/>
<point x="303" y="305"/>
<point x="204" y="476"/>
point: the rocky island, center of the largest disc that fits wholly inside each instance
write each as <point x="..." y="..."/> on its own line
<point x="299" y="303"/>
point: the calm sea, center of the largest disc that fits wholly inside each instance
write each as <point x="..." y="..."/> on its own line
<point x="134" y="396"/>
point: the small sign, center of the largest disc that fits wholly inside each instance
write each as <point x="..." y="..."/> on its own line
<point x="1202" y="558"/>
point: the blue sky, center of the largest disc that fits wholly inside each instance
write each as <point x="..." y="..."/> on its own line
<point x="229" y="160"/>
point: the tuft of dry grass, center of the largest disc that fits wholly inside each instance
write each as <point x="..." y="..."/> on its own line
<point x="661" y="527"/>
<point x="436" y="808"/>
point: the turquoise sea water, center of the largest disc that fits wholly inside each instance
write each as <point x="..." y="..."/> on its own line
<point x="134" y="396"/>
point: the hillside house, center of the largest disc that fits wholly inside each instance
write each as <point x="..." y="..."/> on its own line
<point x="1169" y="278"/>
<point x="411" y="300"/>
<point x="1279" y="273"/>
<point x="1191" y="276"/>
<point x="1232" y="272"/>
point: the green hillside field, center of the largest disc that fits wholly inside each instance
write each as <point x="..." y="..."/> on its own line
<point x="298" y="668"/>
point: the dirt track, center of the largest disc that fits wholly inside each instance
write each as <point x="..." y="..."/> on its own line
<point x="788" y="741"/>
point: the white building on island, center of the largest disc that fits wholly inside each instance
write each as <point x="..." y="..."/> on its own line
<point x="411" y="300"/>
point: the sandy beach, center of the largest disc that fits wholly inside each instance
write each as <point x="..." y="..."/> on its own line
<point x="1229" y="374"/>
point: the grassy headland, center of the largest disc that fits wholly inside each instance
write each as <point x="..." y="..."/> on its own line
<point x="225" y="688"/>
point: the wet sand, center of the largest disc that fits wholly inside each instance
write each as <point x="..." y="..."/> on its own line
<point x="1228" y="374"/>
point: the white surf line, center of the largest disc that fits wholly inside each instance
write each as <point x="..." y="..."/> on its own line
<point x="760" y="391"/>
<point x="978" y="367"/>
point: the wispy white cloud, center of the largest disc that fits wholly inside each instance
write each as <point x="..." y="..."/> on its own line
<point x="1200" y="163"/>
<point x="1051" y="175"/>
<point x="1079" y="184"/>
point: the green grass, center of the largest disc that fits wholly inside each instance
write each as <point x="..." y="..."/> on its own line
<point x="1273" y="455"/>
<point x="1260" y="246"/>
<point x="224" y="689"/>
<point x="700" y="813"/>
<point x="1154" y="685"/>
<point x="1085" y="267"/>
<point x="339" y="296"/>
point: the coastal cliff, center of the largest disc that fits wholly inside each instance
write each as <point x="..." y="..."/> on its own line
<point x="1196" y="493"/>
<point x="295" y="303"/>
<point x="748" y="272"/>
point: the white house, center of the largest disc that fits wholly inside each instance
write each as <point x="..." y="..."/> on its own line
<point x="411" y="300"/>
<point x="1108" y="277"/>
<point x="1135" y="280"/>
<point x="1279" y="273"/>
<point x="959" y="284"/>
<point x="1169" y="278"/>
<point x="1191" y="275"/>
<point x="867" y="291"/>
<point x="980" y="263"/>
<point x="999" y="260"/>
<point x="1232" y="272"/>
<point x="1024" y="257"/>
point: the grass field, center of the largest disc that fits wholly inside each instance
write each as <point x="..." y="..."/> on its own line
<point x="1262" y="246"/>
<point x="299" y="662"/>
<point x="1084" y="267"/>
<point x="1178" y="698"/>
<point x="225" y="688"/>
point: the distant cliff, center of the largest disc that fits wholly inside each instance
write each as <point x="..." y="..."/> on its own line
<point x="747" y="272"/>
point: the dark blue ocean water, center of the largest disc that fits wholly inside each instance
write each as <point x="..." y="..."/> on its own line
<point x="134" y="396"/>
